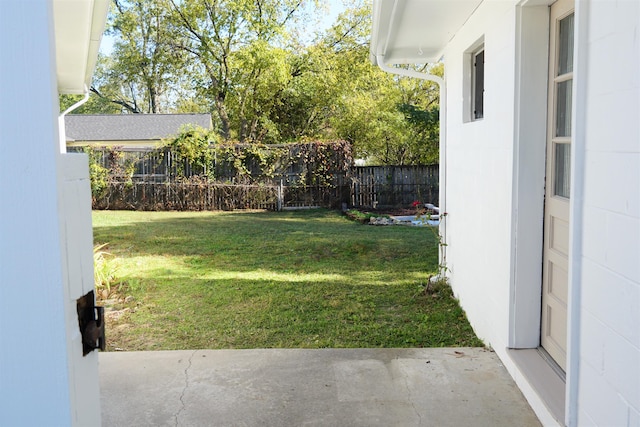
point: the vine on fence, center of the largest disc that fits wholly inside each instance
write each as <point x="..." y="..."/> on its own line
<point x="196" y="156"/>
<point x="192" y="149"/>
<point x="98" y="174"/>
<point x="199" y="152"/>
<point x="322" y="162"/>
<point x="107" y="166"/>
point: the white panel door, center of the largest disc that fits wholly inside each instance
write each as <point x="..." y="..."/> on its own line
<point x="555" y="278"/>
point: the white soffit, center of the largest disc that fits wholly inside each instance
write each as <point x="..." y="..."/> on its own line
<point x="416" y="31"/>
<point x="79" y="25"/>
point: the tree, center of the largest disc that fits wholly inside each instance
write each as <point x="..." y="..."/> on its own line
<point x="256" y="93"/>
<point x="143" y="71"/>
<point x="321" y="75"/>
<point x="243" y="61"/>
<point x="388" y="119"/>
<point x="236" y="44"/>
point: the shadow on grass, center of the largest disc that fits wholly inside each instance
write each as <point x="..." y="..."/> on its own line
<point x="193" y="313"/>
<point x="282" y="242"/>
<point x="307" y="279"/>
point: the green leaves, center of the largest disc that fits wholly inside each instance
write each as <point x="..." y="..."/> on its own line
<point x="191" y="148"/>
<point x="242" y="61"/>
<point x="98" y="174"/>
<point x="143" y="69"/>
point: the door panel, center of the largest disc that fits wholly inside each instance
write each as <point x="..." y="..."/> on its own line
<point x="558" y="283"/>
<point x="555" y="280"/>
<point x="559" y="235"/>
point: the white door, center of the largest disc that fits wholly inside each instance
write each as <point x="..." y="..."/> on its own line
<point x="558" y="185"/>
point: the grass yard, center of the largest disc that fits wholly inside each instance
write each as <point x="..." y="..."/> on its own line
<point x="296" y="279"/>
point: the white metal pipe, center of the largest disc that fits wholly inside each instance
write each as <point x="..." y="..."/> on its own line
<point x="442" y="136"/>
<point x="77" y="104"/>
<point x="410" y="73"/>
<point x="61" y="128"/>
<point x="432" y="207"/>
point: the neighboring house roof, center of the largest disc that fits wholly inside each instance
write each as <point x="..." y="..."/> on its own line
<point x="130" y="127"/>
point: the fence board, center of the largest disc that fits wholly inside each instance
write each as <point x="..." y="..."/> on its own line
<point x="153" y="186"/>
<point x="187" y="196"/>
<point x="391" y="186"/>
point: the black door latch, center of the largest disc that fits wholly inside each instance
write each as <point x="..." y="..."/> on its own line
<point x="91" y="322"/>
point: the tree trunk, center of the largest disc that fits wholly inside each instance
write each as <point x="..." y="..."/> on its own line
<point x="153" y="100"/>
<point x="243" y="129"/>
<point x="224" y="117"/>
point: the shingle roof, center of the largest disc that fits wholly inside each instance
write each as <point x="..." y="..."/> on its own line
<point x="129" y="127"/>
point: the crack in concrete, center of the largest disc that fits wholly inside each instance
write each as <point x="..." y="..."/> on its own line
<point x="184" y="390"/>
<point x="405" y="377"/>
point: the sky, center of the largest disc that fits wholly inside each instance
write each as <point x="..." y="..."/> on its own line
<point x="336" y="7"/>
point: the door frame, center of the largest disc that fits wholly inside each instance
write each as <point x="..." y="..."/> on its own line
<point x="529" y="152"/>
<point x="556" y="206"/>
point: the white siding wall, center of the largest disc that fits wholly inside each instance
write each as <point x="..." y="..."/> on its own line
<point x="479" y="171"/>
<point x="485" y="176"/>
<point x="609" y="373"/>
<point x="34" y="380"/>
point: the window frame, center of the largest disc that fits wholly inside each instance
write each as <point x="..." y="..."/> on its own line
<point x="477" y="84"/>
<point x="471" y="83"/>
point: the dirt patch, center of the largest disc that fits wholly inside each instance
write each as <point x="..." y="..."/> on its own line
<point x="118" y="308"/>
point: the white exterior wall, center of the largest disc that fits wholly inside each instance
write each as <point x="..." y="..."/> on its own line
<point x="34" y="377"/>
<point x="479" y="174"/>
<point x="495" y="179"/>
<point x="608" y="255"/>
<point x="45" y="236"/>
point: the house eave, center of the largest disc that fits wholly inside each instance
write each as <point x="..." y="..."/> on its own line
<point x="78" y="28"/>
<point x="416" y="31"/>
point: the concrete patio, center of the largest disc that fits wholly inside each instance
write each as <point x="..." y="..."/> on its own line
<point x="297" y="387"/>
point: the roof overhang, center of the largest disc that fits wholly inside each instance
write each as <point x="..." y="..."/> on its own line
<point x="79" y="25"/>
<point x="416" y="31"/>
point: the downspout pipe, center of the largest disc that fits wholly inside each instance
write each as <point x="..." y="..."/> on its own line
<point x="442" y="144"/>
<point x="62" y="136"/>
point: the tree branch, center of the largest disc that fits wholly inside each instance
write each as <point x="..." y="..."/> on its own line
<point x="132" y="108"/>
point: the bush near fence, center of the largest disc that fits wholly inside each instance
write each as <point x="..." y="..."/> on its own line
<point x="300" y="175"/>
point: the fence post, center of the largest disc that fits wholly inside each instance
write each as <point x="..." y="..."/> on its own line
<point x="280" y="196"/>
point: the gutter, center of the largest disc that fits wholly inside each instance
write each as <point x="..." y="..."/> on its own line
<point x="62" y="136"/>
<point x="98" y="25"/>
<point x="443" y="145"/>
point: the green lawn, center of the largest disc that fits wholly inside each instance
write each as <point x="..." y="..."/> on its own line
<point x="308" y="279"/>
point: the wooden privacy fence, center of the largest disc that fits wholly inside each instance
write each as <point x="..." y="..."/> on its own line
<point x="187" y="196"/>
<point x="391" y="186"/>
<point x="367" y="187"/>
<point x="191" y="195"/>
<point x="148" y="180"/>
